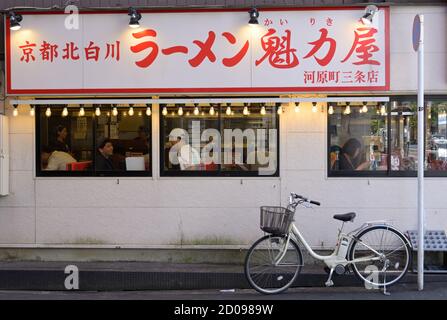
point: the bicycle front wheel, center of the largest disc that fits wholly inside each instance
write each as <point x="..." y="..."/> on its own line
<point x="268" y="268"/>
<point x="380" y="256"/>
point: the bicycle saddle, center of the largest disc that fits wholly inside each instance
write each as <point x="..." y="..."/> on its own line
<point x="345" y="217"/>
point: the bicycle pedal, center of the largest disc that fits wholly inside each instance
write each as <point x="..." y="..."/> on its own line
<point x="329" y="283"/>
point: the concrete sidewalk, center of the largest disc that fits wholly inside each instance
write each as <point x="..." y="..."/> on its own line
<point x="120" y="276"/>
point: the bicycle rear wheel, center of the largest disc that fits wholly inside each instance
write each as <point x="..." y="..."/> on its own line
<point x="394" y="256"/>
<point x="263" y="270"/>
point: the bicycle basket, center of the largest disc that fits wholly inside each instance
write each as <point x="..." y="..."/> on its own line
<point x="276" y="220"/>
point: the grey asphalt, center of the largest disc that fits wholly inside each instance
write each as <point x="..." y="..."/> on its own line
<point x="432" y="291"/>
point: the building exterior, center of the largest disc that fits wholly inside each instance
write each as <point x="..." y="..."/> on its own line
<point x="160" y="204"/>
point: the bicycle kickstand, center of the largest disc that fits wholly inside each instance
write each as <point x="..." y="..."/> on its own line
<point x="329" y="282"/>
<point x="384" y="278"/>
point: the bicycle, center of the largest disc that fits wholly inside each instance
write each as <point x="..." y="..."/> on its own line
<point x="378" y="253"/>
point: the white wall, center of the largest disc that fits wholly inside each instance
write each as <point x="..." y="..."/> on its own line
<point x="159" y="211"/>
<point x="403" y="57"/>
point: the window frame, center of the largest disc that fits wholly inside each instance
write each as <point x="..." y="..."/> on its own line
<point x="215" y="173"/>
<point x="39" y="109"/>
<point x="386" y="173"/>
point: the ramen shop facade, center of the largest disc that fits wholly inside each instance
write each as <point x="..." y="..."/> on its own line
<point x="174" y="133"/>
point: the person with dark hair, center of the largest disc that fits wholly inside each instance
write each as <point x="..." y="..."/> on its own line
<point x="55" y="160"/>
<point x="143" y="134"/>
<point x="104" y="155"/>
<point x="350" y="156"/>
<point x="61" y="135"/>
<point x="143" y="139"/>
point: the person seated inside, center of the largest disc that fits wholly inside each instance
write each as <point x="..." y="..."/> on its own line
<point x="350" y="157"/>
<point x="53" y="160"/>
<point x="104" y="156"/>
<point x="173" y="148"/>
<point x="143" y="144"/>
<point x="143" y="139"/>
<point x="60" y="143"/>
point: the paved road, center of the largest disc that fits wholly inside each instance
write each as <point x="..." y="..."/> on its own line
<point x="436" y="291"/>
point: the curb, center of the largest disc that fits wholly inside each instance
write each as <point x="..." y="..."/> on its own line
<point x="41" y="279"/>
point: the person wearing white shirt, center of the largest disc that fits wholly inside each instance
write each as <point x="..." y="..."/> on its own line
<point x="55" y="160"/>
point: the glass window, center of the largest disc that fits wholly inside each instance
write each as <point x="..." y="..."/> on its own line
<point x="253" y="143"/>
<point x="404" y="135"/>
<point x="400" y="124"/>
<point x="436" y="136"/>
<point x="94" y="140"/>
<point x="357" y="137"/>
<point x="203" y="139"/>
<point x="182" y="127"/>
<point x="66" y="140"/>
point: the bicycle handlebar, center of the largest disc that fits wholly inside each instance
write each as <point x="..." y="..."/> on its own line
<point x="297" y="196"/>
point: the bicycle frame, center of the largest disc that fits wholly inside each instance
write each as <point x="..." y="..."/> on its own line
<point x="333" y="259"/>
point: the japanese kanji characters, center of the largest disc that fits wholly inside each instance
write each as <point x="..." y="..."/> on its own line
<point x="318" y="44"/>
<point x="364" y="46"/>
<point x="278" y="50"/>
<point x="27" y="52"/>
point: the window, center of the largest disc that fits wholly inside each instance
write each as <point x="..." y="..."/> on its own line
<point x="392" y="127"/>
<point x="93" y="140"/>
<point x="436" y="136"/>
<point x="219" y="140"/>
<point x="358" y="139"/>
<point x="404" y="135"/>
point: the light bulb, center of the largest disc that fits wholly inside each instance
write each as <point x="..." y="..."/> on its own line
<point x="131" y="113"/>
<point x="203" y="113"/>
<point x="180" y="111"/>
<point x="365" y="108"/>
<point x="212" y="111"/>
<point x="81" y="112"/>
<point x="32" y="111"/>
<point x="148" y="111"/>
<point x="97" y="111"/>
<point x="382" y="110"/>
<point x="15" y="112"/>
<point x="331" y="109"/>
<point x="108" y="113"/>
<point x="140" y="113"/>
<point x="114" y="111"/>
<point x="263" y="110"/>
<point x="164" y="111"/>
<point x="196" y="111"/>
<point x="314" y="107"/>
<point x="48" y="112"/>
<point x="228" y="111"/>
<point x="65" y="112"/>
<point x="348" y="109"/>
<point x="279" y="110"/>
<point x="245" y="112"/>
<point x="124" y="113"/>
<point x="187" y="113"/>
<point x="297" y="107"/>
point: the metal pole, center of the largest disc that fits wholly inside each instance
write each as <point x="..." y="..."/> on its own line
<point x="421" y="157"/>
